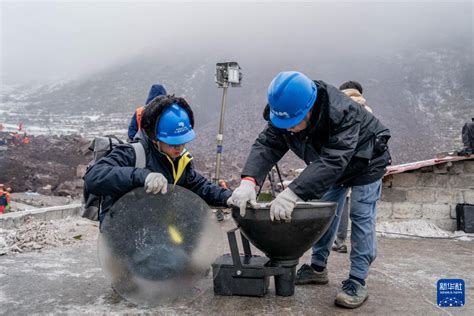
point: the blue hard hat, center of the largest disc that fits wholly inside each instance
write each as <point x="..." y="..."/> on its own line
<point x="290" y="95"/>
<point x="174" y="126"/>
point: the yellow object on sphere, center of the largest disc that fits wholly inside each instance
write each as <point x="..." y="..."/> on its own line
<point x="175" y="235"/>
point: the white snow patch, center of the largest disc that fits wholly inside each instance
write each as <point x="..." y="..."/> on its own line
<point x="92" y="118"/>
<point x="7" y="240"/>
<point x="418" y="228"/>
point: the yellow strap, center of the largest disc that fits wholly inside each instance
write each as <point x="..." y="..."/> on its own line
<point x="184" y="160"/>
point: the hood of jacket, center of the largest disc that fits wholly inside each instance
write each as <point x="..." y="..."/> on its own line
<point x="155" y="90"/>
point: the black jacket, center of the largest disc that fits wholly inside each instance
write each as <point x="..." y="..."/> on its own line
<point x="344" y="145"/>
<point x="115" y="175"/>
<point x="468" y="135"/>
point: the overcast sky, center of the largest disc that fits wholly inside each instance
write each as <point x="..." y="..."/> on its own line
<point x="63" y="39"/>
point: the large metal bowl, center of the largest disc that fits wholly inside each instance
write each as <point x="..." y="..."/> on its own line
<point x="286" y="241"/>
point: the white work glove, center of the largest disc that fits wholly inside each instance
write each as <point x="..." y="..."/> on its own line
<point x="243" y="194"/>
<point x="283" y="205"/>
<point x="156" y="182"/>
<point x="229" y="202"/>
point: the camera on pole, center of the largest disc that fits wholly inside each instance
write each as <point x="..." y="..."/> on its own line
<point x="227" y="74"/>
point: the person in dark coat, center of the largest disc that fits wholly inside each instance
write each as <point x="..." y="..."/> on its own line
<point x="343" y="146"/>
<point x="135" y="122"/>
<point x="167" y="126"/>
<point x="468" y="138"/>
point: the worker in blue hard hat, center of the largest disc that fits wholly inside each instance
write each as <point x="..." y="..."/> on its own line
<point x="343" y="146"/>
<point x="166" y="127"/>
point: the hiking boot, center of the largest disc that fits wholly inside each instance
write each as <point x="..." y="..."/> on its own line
<point x="352" y="294"/>
<point x="339" y="247"/>
<point x="307" y="275"/>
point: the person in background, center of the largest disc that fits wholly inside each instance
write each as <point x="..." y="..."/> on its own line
<point x="26" y="139"/>
<point x="352" y="89"/>
<point x="8" y="194"/>
<point x="3" y="199"/>
<point x="468" y="138"/>
<point x="135" y="122"/>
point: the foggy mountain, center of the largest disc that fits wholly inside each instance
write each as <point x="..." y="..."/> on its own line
<point x="414" y="60"/>
<point x="424" y="97"/>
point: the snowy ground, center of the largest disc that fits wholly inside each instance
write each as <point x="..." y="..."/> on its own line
<point x="419" y="229"/>
<point x="41" y="122"/>
<point x="64" y="276"/>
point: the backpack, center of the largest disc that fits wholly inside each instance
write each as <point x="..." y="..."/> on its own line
<point x="101" y="146"/>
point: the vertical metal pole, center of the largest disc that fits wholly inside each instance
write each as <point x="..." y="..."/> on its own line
<point x="271" y="177"/>
<point x="220" y="135"/>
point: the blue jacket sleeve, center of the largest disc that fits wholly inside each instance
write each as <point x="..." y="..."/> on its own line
<point x="115" y="174"/>
<point x="213" y="194"/>
<point x="133" y="127"/>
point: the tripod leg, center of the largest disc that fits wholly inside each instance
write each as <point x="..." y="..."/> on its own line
<point x="279" y="176"/>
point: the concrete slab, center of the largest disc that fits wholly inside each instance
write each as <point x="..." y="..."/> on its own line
<point x="14" y="219"/>
<point x="40" y="200"/>
<point x="402" y="282"/>
<point x="19" y="207"/>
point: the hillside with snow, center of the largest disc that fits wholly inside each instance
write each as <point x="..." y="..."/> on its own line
<point x="423" y="96"/>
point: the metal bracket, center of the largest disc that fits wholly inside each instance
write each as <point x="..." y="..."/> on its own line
<point x="239" y="268"/>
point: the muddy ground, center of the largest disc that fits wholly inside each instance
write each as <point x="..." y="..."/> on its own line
<point x="47" y="164"/>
